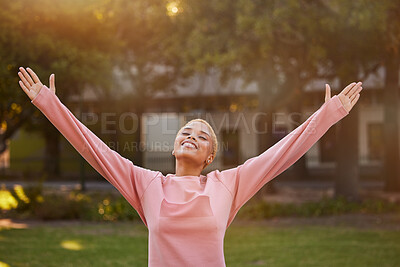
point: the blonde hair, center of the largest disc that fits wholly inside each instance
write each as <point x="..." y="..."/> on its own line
<point x="213" y="136"/>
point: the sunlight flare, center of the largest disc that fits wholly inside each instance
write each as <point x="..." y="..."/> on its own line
<point x="19" y="190"/>
<point x="3" y="264"/>
<point x="173" y="8"/>
<point x="7" y="200"/>
<point x="72" y="245"/>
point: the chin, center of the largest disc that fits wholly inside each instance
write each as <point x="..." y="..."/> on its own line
<point x="185" y="155"/>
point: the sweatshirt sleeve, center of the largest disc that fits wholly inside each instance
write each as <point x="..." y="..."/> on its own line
<point x="130" y="180"/>
<point x="248" y="178"/>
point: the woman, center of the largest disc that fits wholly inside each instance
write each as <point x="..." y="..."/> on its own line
<point x="187" y="213"/>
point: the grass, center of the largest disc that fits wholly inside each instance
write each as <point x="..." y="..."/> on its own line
<point x="312" y="246"/>
<point x="90" y="245"/>
<point x="125" y="244"/>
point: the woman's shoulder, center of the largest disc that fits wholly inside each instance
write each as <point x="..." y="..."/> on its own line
<point x="222" y="175"/>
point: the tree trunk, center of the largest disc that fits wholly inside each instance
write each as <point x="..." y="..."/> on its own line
<point x="138" y="156"/>
<point x="264" y="125"/>
<point x="391" y="131"/>
<point x="52" y="151"/>
<point x="13" y="127"/>
<point x="265" y="141"/>
<point x="347" y="159"/>
<point x="299" y="169"/>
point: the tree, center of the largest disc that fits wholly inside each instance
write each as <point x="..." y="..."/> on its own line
<point x="271" y="43"/>
<point x="391" y="59"/>
<point x="148" y="58"/>
<point x="282" y="46"/>
<point x="351" y="38"/>
<point x="64" y="38"/>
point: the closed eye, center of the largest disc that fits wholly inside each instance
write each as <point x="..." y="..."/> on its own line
<point x="201" y="136"/>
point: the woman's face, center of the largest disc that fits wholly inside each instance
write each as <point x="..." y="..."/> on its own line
<point x="194" y="143"/>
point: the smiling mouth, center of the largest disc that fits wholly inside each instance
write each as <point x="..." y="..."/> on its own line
<point x="189" y="145"/>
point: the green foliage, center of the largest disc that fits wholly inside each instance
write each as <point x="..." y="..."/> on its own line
<point x="117" y="209"/>
<point x="324" y="207"/>
<point x="62" y="37"/>
<point x="99" y="206"/>
<point x="34" y="203"/>
<point x="61" y="207"/>
<point x="29" y="198"/>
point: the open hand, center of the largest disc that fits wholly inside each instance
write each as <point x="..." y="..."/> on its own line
<point x="31" y="84"/>
<point x="349" y="95"/>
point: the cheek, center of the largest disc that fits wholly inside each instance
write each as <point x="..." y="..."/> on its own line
<point x="178" y="141"/>
<point x="176" y="144"/>
<point x="207" y="146"/>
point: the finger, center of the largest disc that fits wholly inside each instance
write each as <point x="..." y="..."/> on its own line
<point x="25" y="82"/>
<point x="355" y="90"/>
<point x="34" y="76"/>
<point x="355" y="93"/>
<point x="327" y="92"/>
<point x="26" y="90"/>
<point x="52" y="83"/>
<point x="355" y="100"/>
<point x="348" y="88"/>
<point x="27" y="77"/>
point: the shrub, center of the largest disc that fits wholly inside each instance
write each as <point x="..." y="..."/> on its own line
<point x="326" y="206"/>
<point x="32" y="202"/>
<point x="116" y="209"/>
<point x="62" y="206"/>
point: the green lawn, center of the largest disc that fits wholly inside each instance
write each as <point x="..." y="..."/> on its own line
<point x="125" y="244"/>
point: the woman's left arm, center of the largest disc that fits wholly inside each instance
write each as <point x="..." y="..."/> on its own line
<point x="245" y="180"/>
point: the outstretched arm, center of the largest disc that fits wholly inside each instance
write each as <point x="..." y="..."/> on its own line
<point x="129" y="179"/>
<point x="245" y="180"/>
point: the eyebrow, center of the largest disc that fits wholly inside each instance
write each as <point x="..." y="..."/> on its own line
<point x="200" y="130"/>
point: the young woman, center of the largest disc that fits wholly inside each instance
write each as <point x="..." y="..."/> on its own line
<point x="187" y="213"/>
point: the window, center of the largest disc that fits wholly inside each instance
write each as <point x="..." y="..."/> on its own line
<point x="327" y="146"/>
<point x="230" y="147"/>
<point x="375" y="141"/>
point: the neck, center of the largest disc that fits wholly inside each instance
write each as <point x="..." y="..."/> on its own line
<point x="186" y="169"/>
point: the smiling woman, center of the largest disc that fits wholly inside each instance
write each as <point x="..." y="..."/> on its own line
<point x="187" y="213"/>
<point x="196" y="141"/>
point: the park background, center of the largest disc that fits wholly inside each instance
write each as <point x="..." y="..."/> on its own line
<point x="135" y="71"/>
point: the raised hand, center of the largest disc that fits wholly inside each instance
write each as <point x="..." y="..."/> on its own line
<point x="31" y="84"/>
<point x="349" y="95"/>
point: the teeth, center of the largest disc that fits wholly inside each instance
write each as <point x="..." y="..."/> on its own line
<point x="188" y="145"/>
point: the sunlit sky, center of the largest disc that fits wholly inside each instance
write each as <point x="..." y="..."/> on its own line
<point x="172" y="8"/>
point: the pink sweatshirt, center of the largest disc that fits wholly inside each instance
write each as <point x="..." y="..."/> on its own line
<point x="187" y="216"/>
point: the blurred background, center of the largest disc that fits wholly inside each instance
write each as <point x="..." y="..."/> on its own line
<point x="135" y="71"/>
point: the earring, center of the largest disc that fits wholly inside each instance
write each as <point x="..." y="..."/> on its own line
<point x="173" y="152"/>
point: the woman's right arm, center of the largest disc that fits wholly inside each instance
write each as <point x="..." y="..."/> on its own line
<point x="129" y="179"/>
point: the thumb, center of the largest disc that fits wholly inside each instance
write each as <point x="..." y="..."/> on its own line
<point x="52" y="83"/>
<point x="327" y="92"/>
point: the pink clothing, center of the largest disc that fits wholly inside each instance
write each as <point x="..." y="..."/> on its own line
<point x="187" y="216"/>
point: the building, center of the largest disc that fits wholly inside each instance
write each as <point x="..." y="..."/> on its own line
<point x="233" y="112"/>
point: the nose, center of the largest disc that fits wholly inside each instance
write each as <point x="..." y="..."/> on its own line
<point x="191" y="137"/>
